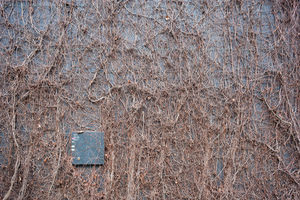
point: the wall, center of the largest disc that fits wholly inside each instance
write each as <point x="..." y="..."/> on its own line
<point x="197" y="99"/>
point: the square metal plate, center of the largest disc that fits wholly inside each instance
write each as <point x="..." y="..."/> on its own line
<point x="87" y="148"/>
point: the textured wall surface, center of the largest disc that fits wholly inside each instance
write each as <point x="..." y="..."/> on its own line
<point x="197" y="99"/>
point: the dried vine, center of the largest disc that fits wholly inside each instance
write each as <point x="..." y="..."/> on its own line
<point x="197" y="99"/>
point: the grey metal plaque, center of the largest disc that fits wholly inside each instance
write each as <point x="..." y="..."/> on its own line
<point x="87" y="148"/>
